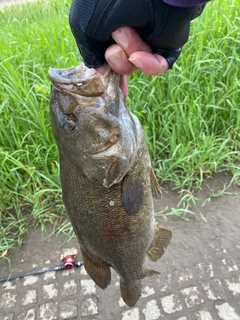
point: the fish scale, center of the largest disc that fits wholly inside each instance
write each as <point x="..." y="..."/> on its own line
<point x="96" y="215"/>
<point x="107" y="180"/>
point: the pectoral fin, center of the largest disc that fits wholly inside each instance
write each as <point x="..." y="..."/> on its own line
<point x="160" y="242"/>
<point x="98" y="271"/>
<point x="130" y="295"/>
<point x="132" y="194"/>
<point x="156" y="191"/>
<point x="150" y="273"/>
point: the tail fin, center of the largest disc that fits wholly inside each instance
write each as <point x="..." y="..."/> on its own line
<point x="131" y="294"/>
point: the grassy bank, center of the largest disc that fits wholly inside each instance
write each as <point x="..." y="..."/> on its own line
<point x="191" y="115"/>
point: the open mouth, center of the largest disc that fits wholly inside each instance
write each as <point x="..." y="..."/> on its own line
<point x="79" y="80"/>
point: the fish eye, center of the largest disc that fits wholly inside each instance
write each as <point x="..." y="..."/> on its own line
<point x="68" y="122"/>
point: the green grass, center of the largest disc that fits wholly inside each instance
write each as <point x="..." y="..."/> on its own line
<point x="191" y="115"/>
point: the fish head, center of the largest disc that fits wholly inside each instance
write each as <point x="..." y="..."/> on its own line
<point x="87" y="111"/>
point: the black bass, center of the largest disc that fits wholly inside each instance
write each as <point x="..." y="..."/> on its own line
<point x="107" y="180"/>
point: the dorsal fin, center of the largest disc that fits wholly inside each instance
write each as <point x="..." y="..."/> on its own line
<point x="156" y="191"/>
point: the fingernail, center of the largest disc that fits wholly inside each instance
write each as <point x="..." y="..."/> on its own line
<point x="115" y="59"/>
<point x="136" y="62"/>
<point x="121" y="37"/>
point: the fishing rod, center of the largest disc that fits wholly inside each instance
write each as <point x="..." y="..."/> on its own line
<point x="68" y="264"/>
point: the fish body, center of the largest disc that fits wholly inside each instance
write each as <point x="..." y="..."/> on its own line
<point x="106" y="176"/>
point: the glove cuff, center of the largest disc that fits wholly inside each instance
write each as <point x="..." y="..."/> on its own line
<point x="171" y="55"/>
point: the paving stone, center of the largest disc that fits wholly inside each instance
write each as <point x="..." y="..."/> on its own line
<point x="8" y="300"/>
<point x="204" y="268"/>
<point x="89" y="307"/>
<point x="83" y="271"/>
<point x="147" y="291"/>
<point x="50" y="291"/>
<point x="164" y="287"/>
<point x="234" y="286"/>
<point x="191" y="296"/>
<point x="8" y="285"/>
<point x="229" y="265"/>
<point x="171" y="304"/>
<point x="218" y="250"/>
<point x="184" y="276"/>
<point x="68" y="273"/>
<point x="88" y="286"/>
<point x="30" y="280"/>
<point x="226" y="312"/>
<point x="121" y="303"/>
<point x="131" y="314"/>
<point x="30" y="297"/>
<point x="214" y="290"/>
<point x="182" y="318"/>
<point x="68" y="310"/>
<point x="29" y="315"/>
<point x="48" y="311"/>
<point x="69" y="288"/>
<point x="151" y="311"/>
<point x="203" y="315"/>
<point x="51" y="275"/>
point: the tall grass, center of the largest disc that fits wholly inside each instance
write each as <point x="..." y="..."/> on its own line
<point x="191" y="115"/>
<point x="33" y="38"/>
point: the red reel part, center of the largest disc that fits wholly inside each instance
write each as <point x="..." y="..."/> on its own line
<point x="68" y="262"/>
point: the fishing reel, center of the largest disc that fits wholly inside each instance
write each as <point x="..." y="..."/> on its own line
<point x="68" y="259"/>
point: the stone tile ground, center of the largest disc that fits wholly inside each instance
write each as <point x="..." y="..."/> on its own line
<point x="200" y="277"/>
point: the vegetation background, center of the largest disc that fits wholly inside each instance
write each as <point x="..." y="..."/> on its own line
<point x="191" y="114"/>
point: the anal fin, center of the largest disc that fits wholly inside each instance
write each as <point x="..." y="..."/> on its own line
<point x="99" y="272"/>
<point x="131" y="294"/>
<point x="160" y="242"/>
<point x="156" y="191"/>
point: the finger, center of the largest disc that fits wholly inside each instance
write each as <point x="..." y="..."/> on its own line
<point x="118" y="60"/>
<point x="129" y="40"/>
<point x="124" y="85"/>
<point x="101" y="69"/>
<point x="148" y="63"/>
<point x="123" y="80"/>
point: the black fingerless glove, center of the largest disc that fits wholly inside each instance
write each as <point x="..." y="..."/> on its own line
<point x="165" y="28"/>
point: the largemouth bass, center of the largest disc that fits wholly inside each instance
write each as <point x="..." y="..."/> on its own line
<point x="107" y="179"/>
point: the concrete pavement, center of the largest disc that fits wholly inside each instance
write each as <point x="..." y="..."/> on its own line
<point x="200" y="277"/>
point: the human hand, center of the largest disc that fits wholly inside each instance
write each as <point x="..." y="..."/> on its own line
<point x="155" y="32"/>
<point x="130" y="53"/>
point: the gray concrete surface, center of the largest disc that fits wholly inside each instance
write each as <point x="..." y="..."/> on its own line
<point x="200" y="278"/>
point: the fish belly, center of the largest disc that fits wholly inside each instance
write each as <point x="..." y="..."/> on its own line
<point x="105" y="231"/>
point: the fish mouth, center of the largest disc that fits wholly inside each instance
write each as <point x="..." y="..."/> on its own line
<point x="109" y="148"/>
<point x="74" y="75"/>
<point x="78" y="80"/>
